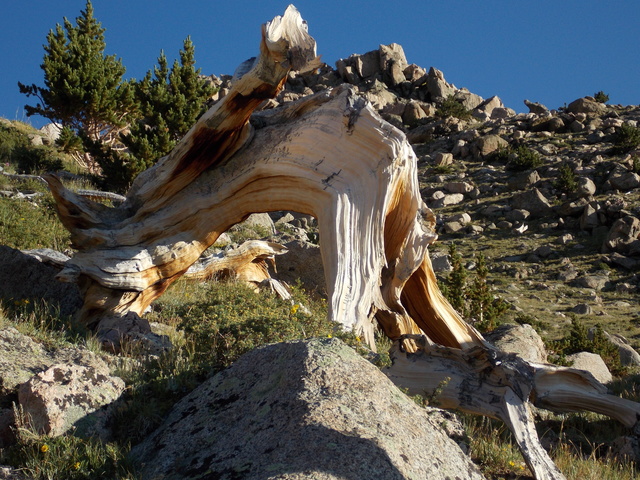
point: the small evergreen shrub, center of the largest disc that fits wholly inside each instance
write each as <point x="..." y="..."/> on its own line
<point x="472" y="298"/>
<point x="567" y="181"/>
<point x="578" y="341"/>
<point x="10" y="141"/>
<point x="627" y="138"/>
<point x="484" y="308"/>
<point x="453" y="108"/>
<point x="454" y="285"/>
<point x="522" y="158"/>
<point x="601" y="97"/>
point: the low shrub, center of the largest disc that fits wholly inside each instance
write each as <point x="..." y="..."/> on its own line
<point x="36" y="160"/>
<point x="522" y="158"/>
<point x="453" y="108"/>
<point x="627" y="138"/>
<point x="567" y="181"/>
<point x="578" y="341"/>
<point x="601" y="97"/>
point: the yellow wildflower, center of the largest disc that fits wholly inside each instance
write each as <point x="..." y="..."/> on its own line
<point x="44" y="448"/>
<point x="294" y="309"/>
<point x="76" y="466"/>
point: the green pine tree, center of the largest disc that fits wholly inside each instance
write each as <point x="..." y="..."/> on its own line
<point x="484" y="308"/>
<point x="454" y="286"/>
<point x="84" y="89"/>
<point x="171" y="101"/>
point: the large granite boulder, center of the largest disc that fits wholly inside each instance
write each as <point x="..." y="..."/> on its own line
<point x="304" y="410"/>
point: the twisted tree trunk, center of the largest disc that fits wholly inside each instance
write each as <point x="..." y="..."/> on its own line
<point x="331" y="156"/>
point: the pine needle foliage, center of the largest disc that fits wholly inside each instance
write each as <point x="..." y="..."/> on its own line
<point x="472" y="297"/>
<point x="171" y="100"/>
<point x="83" y="88"/>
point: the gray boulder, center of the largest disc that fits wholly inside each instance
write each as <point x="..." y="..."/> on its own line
<point x="592" y="363"/>
<point x="624" y="236"/>
<point x="393" y="63"/>
<point x="520" y="339"/>
<point x="302" y="262"/>
<point x="489" y="144"/>
<point x="587" y="105"/>
<point x="534" y="202"/>
<point x="54" y="400"/>
<point x="625" y="181"/>
<point x="437" y="86"/>
<point x="303" y="410"/>
<point x="628" y="355"/>
<point x="535" y="107"/>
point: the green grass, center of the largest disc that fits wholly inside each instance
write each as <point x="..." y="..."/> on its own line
<point x="68" y="457"/>
<point x="577" y="450"/>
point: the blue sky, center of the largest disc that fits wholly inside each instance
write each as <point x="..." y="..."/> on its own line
<point x="546" y="51"/>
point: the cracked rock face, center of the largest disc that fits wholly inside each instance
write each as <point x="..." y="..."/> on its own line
<point x="304" y="410"/>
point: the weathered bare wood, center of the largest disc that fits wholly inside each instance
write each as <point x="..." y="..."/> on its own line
<point x="483" y="380"/>
<point x="246" y="263"/>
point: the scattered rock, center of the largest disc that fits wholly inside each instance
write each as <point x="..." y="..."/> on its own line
<point x="628" y="355"/>
<point x="55" y="399"/>
<point x="591" y="363"/>
<point x="441" y="262"/>
<point x="624" y="236"/>
<point x="450" y="199"/>
<point x="520" y="339"/>
<point x="582" y="309"/>
<point x="535" y="107"/>
<point x="485" y="146"/>
<point x="533" y="201"/>
<point x="595" y="282"/>
<point x="302" y="262"/>
<point x="587" y="105"/>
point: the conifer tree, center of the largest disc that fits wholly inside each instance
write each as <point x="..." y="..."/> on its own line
<point x="171" y="100"/>
<point x="84" y="89"/>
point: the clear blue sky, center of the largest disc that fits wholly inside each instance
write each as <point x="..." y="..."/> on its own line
<point x="549" y="51"/>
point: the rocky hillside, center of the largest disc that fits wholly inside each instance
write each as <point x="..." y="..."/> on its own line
<point x="550" y="197"/>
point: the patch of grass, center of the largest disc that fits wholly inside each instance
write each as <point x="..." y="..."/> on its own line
<point x="576" y="466"/>
<point x="576" y="452"/>
<point x="493" y="449"/>
<point x="42" y="457"/>
<point x="40" y="321"/>
<point x="233" y="320"/>
<point x="31" y="224"/>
